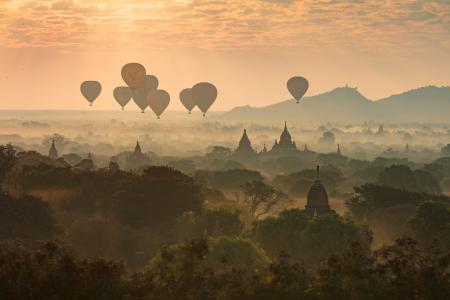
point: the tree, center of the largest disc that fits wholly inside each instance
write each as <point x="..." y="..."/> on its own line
<point x="219" y="152"/>
<point x="282" y="233"/>
<point x="51" y="273"/>
<point x="262" y="198"/>
<point x="25" y="217"/>
<point x="156" y="198"/>
<point x="231" y="179"/>
<point x="308" y="239"/>
<point x="427" y="182"/>
<point x="432" y="221"/>
<point x="399" y="176"/>
<point x="369" y="197"/>
<point x="221" y="222"/>
<point x="7" y="161"/>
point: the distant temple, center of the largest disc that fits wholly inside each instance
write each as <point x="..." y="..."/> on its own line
<point x="86" y="164"/>
<point x="285" y="142"/>
<point x="317" y="201"/>
<point x="137" y="157"/>
<point x="245" y="146"/>
<point x="53" y="152"/>
<point x="338" y="151"/>
<point x="284" y="146"/>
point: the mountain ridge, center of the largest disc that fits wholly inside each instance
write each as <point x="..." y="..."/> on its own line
<point x="429" y="103"/>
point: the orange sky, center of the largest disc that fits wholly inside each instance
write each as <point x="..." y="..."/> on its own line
<point x="248" y="49"/>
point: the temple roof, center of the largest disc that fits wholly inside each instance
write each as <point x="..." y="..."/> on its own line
<point x="285" y="135"/>
<point x="244" y="143"/>
<point x="317" y="201"/>
<point x="137" y="149"/>
<point x="53" y="152"/>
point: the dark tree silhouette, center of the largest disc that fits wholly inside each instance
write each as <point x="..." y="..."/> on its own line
<point x="156" y="198"/>
<point x="25" y="217"/>
<point x="7" y="162"/>
<point x="262" y="198"/>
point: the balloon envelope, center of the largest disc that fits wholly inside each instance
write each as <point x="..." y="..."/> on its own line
<point x="297" y="86"/>
<point x="91" y="90"/>
<point x="141" y="100"/>
<point x="150" y="83"/>
<point x="158" y="100"/>
<point x="187" y="100"/>
<point x="123" y="95"/>
<point x="133" y="74"/>
<point x="204" y="95"/>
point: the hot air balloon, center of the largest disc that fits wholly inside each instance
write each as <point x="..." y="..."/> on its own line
<point x="123" y="95"/>
<point x="204" y="95"/>
<point x="158" y="100"/>
<point x="90" y="90"/>
<point x="187" y="100"/>
<point x="141" y="100"/>
<point x="149" y="83"/>
<point x="133" y="74"/>
<point x="297" y="86"/>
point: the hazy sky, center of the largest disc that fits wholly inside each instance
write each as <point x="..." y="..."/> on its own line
<point x="247" y="48"/>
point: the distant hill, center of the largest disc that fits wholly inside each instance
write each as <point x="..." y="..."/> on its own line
<point x="427" y="104"/>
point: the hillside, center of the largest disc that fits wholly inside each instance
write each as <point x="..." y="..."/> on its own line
<point x="427" y="104"/>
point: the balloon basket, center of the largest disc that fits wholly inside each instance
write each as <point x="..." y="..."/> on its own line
<point x="204" y="115"/>
<point x="189" y="112"/>
<point x="158" y="118"/>
<point x="90" y="104"/>
<point x="123" y="108"/>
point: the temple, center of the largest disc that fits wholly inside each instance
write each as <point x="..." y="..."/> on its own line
<point x="285" y="142"/>
<point x="137" y="157"/>
<point x="317" y="201"/>
<point x="86" y="164"/>
<point x="245" y="146"/>
<point x="53" y="152"/>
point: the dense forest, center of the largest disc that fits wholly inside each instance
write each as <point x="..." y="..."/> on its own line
<point x="162" y="233"/>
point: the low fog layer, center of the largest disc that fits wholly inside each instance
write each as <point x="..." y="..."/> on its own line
<point x="105" y="134"/>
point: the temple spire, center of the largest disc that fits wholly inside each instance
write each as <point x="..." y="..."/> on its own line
<point x="53" y="152"/>
<point x="317" y="172"/>
<point x="137" y="149"/>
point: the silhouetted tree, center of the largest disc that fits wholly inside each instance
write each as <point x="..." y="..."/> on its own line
<point x="309" y="239"/>
<point x="52" y="273"/>
<point x="25" y="217"/>
<point x="369" y="197"/>
<point x="156" y="198"/>
<point x="262" y="198"/>
<point x="7" y="162"/>
<point x="399" y="176"/>
<point x="432" y="221"/>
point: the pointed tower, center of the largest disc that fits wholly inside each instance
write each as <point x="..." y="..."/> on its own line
<point x="305" y="149"/>
<point x="245" y="146"/>
<point x="338" y="152"/>
<point x="53" y="152"/>
<point x="137" y="149"/>
<point x="285" y="138"/>
<point x="137" y="157"/>
<point x="407" y="148"/>
<point x="317" y="201"/>
<point x="285" y="141"/>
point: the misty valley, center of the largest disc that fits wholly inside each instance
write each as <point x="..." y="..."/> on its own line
<point x="188" y="207"/>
